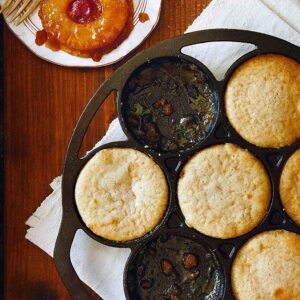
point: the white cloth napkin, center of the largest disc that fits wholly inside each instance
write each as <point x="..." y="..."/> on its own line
<point x="99" y="266"/>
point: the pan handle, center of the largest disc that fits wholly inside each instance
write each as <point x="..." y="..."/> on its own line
<point x="70" y="222"/>
<point x="86" y="117"/>
<point x="64" y="265"/>
<point x="265" y="41"/>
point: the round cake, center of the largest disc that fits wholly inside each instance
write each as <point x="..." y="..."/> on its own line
<point x="268" y="267"/>
<point x="82" y="26"/>
<point x="121" y="194"/>
<point x="224" y="191"/>
<point x="289" y="187"/>
<point x="262" y="100"/>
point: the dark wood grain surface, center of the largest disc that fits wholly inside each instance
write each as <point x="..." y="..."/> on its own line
<point x="42" y="103"/>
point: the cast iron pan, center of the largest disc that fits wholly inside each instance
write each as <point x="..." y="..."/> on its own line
<point x="171" y="163"/>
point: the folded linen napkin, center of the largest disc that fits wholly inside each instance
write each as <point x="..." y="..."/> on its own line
<point x="99" y="266"/>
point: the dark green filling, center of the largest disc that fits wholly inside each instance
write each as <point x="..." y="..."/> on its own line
<point x="174" y="267"/>
<point x="169" y="105"/>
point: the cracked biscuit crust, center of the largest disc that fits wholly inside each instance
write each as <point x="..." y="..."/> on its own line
<point x="224" y="191"/>
<point x="268" y="267"/>
<point x="121" y="194"/>
<point x="262" y="100"/>
<point x="290" y="187"/>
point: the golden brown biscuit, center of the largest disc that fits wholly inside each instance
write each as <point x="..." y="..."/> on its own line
<point x="121" y="194"/>
<point x="289" y="187"/>
<point x="224" y="191"/>
<point x="262" y="100"/>
<point x="268" y="267"/>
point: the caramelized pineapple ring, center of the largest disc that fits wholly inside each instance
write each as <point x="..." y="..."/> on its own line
<point x="84" y="24"/>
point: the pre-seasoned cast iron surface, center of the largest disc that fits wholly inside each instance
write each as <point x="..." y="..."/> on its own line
<point x="221" y="132"/>
<point x="175" y="267"/>
<point x="169" y="104"/>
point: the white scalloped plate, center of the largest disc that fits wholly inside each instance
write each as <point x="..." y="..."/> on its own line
<point x="27" y="30"/>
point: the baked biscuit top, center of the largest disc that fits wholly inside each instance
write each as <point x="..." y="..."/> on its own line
<point x="262" y="100"/>
<point x="224" y="191"/>
<point x="289" y="187"/>
<point x="121" y="194"/>
<point x="268" y="267"/>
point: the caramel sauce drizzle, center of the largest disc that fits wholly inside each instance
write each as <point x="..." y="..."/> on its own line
<point x="44" y="38"/>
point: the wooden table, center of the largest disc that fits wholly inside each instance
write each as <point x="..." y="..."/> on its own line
<point x="42" y="103"/>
